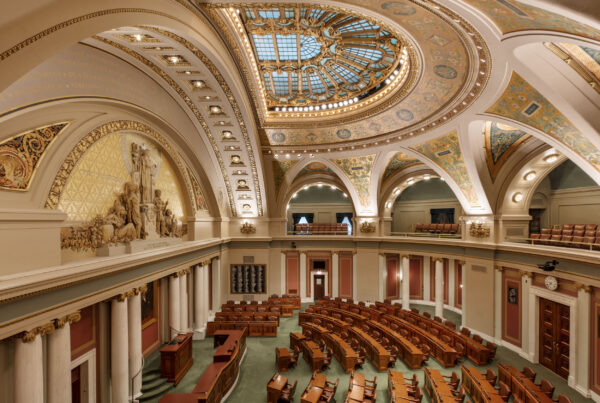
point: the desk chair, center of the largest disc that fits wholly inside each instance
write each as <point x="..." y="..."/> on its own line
<point x="414" y="381"/>
<point x="459" y="397"/>
<point x="491" y="376"/>
<point x="504" y="391"/>
<point x="331" y="386"/>
<point x="295" y="354"/>
<point x="394" y="353"/>
<point x="529" y="373"/>
<point x="288" y="392"/>
<point x="344" y="335"/>
<point x="562" y="399"/>
<point x="450" y="324"/>
<point x="546" y="387"/>
<point x="460" y="349"/>
<point x="493" y="347"/>
<point x="453" y="380"/>
<point x="362" y="356"/>
<point x="446" y="339"/>
<point x="477" y="338"/>
<point x="414" y="397"/>
<point x="403" y="332"/>
<point x="427" y="315"/>
<point x="465" y="331"/>
<point x="434" y="332"/>
<point x="438" y="319"/>
<point x="326" y="361"/>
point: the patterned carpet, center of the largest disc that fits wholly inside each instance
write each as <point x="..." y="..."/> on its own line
<point x="259" y="366"/>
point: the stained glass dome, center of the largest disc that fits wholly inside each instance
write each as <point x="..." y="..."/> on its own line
<point x="311" y="57"/>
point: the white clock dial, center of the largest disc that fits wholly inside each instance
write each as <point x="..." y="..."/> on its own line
<point x="551" y="283"/>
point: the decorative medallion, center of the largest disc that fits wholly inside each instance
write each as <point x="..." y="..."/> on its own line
<point x="21" y="154"/>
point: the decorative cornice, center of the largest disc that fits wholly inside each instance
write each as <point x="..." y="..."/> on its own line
<point x="499" y="269"/>
<point x="580" y="286"/>
<point x="525" y="273"/>
<point x="461" y="262"/>
<point x="437" y="259"/>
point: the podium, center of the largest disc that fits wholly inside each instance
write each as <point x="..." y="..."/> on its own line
<point x="176" y="358"/>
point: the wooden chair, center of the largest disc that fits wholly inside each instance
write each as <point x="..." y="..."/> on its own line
<point x="453" y="380"/>
<point x="326" y="360"/>
<point x="529" y="373"/>
<point x="562" y="399"/>
<point x="426" y="351"/>
<point x="362" y="356"/>
<point x="403" y="332"/>
<point x="450" y="324"/>
<point x="460" y="396"/>
<point x="434" y="332"/>
<point x="546" y="387"/>
<point x="503" y="391"/>
<point x="371" y="389"/>
<point x="414" y="381"/>
<point x="460" y="349"/>
<point x="491" y="376"/>
<point x="493" y="347"/>
<point x="287" y="393"/>
<point x="332" y="386"/>
<point x="477" y="338"/>
<point x="446" y="339"/>
<point x="465" y="331"/>
<point x="427" y="314"/>
<point x="438" y="319"/>
<point x="394" y="354"/>
<point x="295" y="353"/>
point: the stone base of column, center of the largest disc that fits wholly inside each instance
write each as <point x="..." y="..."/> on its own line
<point x="199" y="334"/>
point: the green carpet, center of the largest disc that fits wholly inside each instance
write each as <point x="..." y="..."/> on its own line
<point x="259" y="366"/>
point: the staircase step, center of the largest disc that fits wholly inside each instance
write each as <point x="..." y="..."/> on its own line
<point x="156" y="392"/>
<point x="150" y="376"/>
<point x="153" y="384"/>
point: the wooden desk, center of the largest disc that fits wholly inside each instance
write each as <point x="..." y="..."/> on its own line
<point x="312" y="394"/>
<point x="266" y="328"/>
<point x="327" y="321"/>
<point x="296" y="340"/>
<point x="342" y="351"/>
<point x="410" y="354"/>
<point x="356" y="393"/>
<point x="478" y="387"/>
<point x="274" y="387"/>
<point x="293" y="301"/>
<point x="176" y="359"/>
<point x="283" y="359"/>
<point x="318" y="332"/>
<point x="396" y="386"/>
<point x="521" y="386"/>
<point x="313" y="355"/>
<point x="379" y="356"/>
<point x="437" y="388"/>
<point x="444" y="353"/>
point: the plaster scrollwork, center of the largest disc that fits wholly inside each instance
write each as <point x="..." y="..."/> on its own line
<point x="137" y="213"/>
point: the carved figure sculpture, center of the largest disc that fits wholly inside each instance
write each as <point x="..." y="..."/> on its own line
<point x="146" y="169"/>
<point x="160" y="207"/>
<point x="133" y="208"/>
<point x="171" y="223"/>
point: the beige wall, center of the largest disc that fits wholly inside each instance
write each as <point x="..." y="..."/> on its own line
<point x="567" y="206"/>
<point x="478" y="297"/>
<point x="406" y="214"/>
<point x="367" y="268"/>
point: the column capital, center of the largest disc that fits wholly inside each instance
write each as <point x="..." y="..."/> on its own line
<point x="206" y="262"/>
<point x="586" y="288"/>
<point x="437" y="259"/>
<point x="382" y="254"/>
<point x="499" y="268"/>
<point x="141" y="289"/>
<point x="70" y="318"/>
<point x="524" y="273"/>
<point x="122" y="297"/>
<point x="461" y="262"/>
<point x="407" y="256"/>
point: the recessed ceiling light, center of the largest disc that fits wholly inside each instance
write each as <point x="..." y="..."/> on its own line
<point x="551" y="158"/>
<point x="529" y="176"/>
<point x="174" y="59"/>
<point x="517" y="197"/>
<point x="138" y="37"/>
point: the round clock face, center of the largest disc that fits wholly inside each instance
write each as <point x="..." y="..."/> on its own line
<point x="551" y="283"/>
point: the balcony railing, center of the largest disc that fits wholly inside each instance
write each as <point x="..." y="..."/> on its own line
<point x="320" y="229"/>
<point x="425" y="235"/>
<point x="593" y="246"/>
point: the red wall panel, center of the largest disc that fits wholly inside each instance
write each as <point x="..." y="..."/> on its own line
<point x="392" y="267"/>
<point x="83" y="333"/>
<point x="416" y="277"/>
<point x="292" y="273"/>
<point x="345" y="275"/>
<point x="511" y="307"/>
<point x="457" y="285"/>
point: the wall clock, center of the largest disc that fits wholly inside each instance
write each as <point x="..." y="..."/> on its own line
<point x="551" y="283"/>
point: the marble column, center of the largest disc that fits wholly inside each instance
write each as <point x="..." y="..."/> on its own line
<point x="174" y="301"/>
<point x="303" y="287"/>
<point x="405" y="264"/>
<point x="582" y="378"/>
<point x="451" y="282"/>
<point x="199" y="327"/>
<point x="439" y="287"/>
<point x="498" y="304"/>
<point x="119" y="355"/>
<point x="29" y="366"/>
<point x="426" y="278"/>
<point x="382" y="276"/>
<point x="183" y="301"/>
<point x="216" y="283"/>
<point x="281" y="273"/>
<point x="134" y="329"/>
<point x="464" y="290"/>
<point x="335" y="274"/>
<point x="206" y="294"/>
<point x="354" y="278"/>
<point x="59" y="359"/>
<point x="525" y="325"/>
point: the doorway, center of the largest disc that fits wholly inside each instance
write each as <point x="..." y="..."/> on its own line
<point x="535" y="225"/>
<point x="319" y="286"/>
<point x="554" y="336"/>
<point x="76" y="384"/>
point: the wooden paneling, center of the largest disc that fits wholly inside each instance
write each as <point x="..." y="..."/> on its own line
<point x="345" y="275"/>
<point x="292" y="273"/>
<point x="150" y="324"/>
<point x="457" y="284"/>
<point x="554" y="336"/>
<point x="511" y="307"/>
<point x="416" y="277"/>
<point x="83" y="333"/>
<point x="392" y="263"/>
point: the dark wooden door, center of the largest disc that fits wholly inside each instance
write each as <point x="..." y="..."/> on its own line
<point x="554" y="336"/>
<point x="319" y="286"/>
<point x="76" y="385"/>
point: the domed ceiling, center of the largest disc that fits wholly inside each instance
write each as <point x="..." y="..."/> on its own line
<point x="325" y="78"/>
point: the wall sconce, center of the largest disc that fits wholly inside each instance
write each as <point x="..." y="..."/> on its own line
<point x="367" y="227"/>
<point x="477" y="230"/>
<point x="247" y="228"/>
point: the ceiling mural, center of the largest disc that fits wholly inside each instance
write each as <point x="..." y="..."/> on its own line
<point x="523" y="103"/>
<point x="449" y="55"/>
<point x="513" y="16"/>
<point x="445" y="151"/>
<point x="315" y="167"/>
<point x="397" y="163"/>
<point x="21" y="154"/>
<point x="314" y="57"/>
<point x="280" y="168"/>
<point x="358" y="170"/>
<point x="500" y="142"/>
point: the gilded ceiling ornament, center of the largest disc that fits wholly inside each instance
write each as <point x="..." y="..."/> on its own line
<point x="500" y="142"/>
<point x="358" y="170"/>
<point x="21" y="154"/>
<point x="198" y="193"/>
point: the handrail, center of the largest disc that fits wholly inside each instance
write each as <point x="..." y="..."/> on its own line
<point x="133" y="399"/>
<point x="425" y="235"/>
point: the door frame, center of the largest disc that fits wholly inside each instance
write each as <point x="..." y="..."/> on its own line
<point x="534" y="326"/>
<point x="314" y="273"/>
<point x="87" y="374"/>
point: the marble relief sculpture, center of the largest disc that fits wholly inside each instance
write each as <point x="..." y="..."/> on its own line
<point x="138" y="212"/>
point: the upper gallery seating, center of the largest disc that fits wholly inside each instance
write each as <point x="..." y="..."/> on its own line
<point x="322" y="229"/>
<point x="437" y="228"/>
<point x="584" y="236"/>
